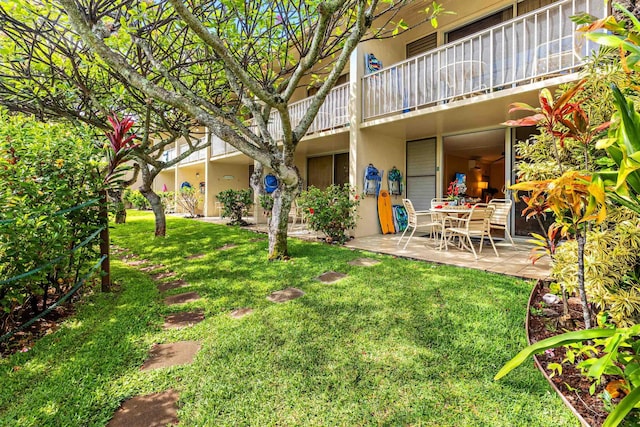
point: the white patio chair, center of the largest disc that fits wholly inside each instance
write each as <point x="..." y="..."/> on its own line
<point x="417" y="220"/>
<point x="296" y="214"/>
<point x="476" y="224"/>
<point x="500" y="218"/>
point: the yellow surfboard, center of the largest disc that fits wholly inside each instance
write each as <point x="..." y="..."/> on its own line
<point x="385" y="212"/>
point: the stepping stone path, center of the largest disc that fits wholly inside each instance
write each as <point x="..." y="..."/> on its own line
<point x="175" y="284"/>
<point x="159" y="409"/>
<point x="151" y="268"/>
<point x="172" y="354"/>
<point x="227" y="247"/>
<point x="330" y="277"/>
<point x="195" y="256"/>
<point x="163" y="275"/>
<point x="241" y="312"/>
<point x="137" y="262"/>
<point x="364" y="262"/>
<point x="285" y="295"/>
<point x="182" y="298"/>
<point x="183" y="320"/>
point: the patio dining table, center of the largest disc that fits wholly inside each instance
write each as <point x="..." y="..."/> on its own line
<point x="443" y="212"/>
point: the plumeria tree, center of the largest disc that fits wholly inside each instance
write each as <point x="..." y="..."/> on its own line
<point x="222" y="62"/>
<point x="45" y="70"/>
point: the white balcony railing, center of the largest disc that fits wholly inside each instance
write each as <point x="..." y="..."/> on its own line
<point x="334" y="113"/>
<point x="538" y="44"/>
<point x="195" y="156"/>
<point x="168" y="155"/>
<point x="220" y="148"/>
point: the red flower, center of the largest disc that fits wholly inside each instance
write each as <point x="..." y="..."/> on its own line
<point x="357" y="196"/>
<point x="311" y="211"/>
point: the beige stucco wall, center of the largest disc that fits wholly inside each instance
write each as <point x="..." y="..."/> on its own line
<point x="166" y="177"/>
<point x="188" y="174"/>
<point x="384" y="152"/>
<point x="237" y="178"/>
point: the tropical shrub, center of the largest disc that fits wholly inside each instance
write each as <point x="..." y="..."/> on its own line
<point x="611" y="270"/>
<point x="189" y="199"/>
<point x="332" y="211"/>
<point x="168" y="200"/>
<point x="266" y="203"/>
<point x="234" y="204"/>
<point x="137" y="200"/>
<point x="45" y="169"/>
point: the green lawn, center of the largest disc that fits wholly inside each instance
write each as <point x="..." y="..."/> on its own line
<point x="399" y="343"/>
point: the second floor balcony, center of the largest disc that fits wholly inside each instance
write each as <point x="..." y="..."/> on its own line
<point x="535" y="46"/>
<point x="540" y="44"/>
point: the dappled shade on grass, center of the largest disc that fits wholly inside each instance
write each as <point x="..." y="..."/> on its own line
<point x="398" y="343"/>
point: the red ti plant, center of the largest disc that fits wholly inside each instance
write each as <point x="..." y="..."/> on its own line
<point x="120" y="145"/>
<point x="551" y="115"/>
<point x="562" y="119"/>
<point x="118" y="150"/>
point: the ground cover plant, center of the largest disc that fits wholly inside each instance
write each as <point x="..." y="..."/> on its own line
<point x="399" y="343"/>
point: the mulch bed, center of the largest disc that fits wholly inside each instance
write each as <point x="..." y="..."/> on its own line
<point x="543" y="323"/>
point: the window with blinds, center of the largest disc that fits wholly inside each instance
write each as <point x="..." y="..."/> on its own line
<point x="422" y="45"/>
<point x="479" y="25"/>
<point x="527" y="6"/>
<point x="421" y="172"/>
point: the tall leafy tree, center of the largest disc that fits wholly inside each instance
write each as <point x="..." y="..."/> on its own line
<point x="223" y="62"/>
<point x="45" y="70"/>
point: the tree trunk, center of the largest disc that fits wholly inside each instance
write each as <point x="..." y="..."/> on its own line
<point x="104" y="243"/>
<point x="586" y="313"/>
<point x="116" y="199"/>
<point x="279" y="223"/>
<point x="154" y="200"/>
<point x="158" y="210"/>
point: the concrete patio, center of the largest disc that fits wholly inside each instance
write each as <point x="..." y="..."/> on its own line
<point x="513" y="260"/>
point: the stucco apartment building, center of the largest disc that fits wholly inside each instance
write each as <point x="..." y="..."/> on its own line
<point x="434" y="109"/>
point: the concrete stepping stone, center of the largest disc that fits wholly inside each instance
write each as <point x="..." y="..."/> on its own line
<point x="364" y="262"/>
<point x="285" y="295"/>
<point x="163" y="275"/>
<point x="151" y="268"/>
<point x="137" y="262"/>
<point x="227" y="247"/>
<point x="158" y="409"/>
<point x="182" y="298"/>
<point x="183" y="320"/>
<point x="195" y="256"/>
<point x="172" y="354"/>
<point x="175" y="284"/>
<point x="241" y="312"/>
<point x="331" y="277"/>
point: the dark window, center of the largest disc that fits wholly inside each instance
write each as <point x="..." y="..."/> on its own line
<point x="323" y="171"/>
<point x="422" y="45"/>
<point x="479" y="25"/>
<point x="527" y="6"/>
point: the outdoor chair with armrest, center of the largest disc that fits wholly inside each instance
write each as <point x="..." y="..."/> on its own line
<point x="413" y="222"/>
<point x="475" y="224"/>
<point x="500" y="218"/>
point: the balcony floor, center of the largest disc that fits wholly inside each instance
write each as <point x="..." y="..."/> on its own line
<point x="513" y="260"/>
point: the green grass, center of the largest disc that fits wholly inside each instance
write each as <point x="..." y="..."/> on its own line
<point x="400" y="343"/>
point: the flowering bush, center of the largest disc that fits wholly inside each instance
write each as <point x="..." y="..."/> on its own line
<point x="45" y="169"/>
<point x="234" y="204"/>
<point x="332" y="211"/>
